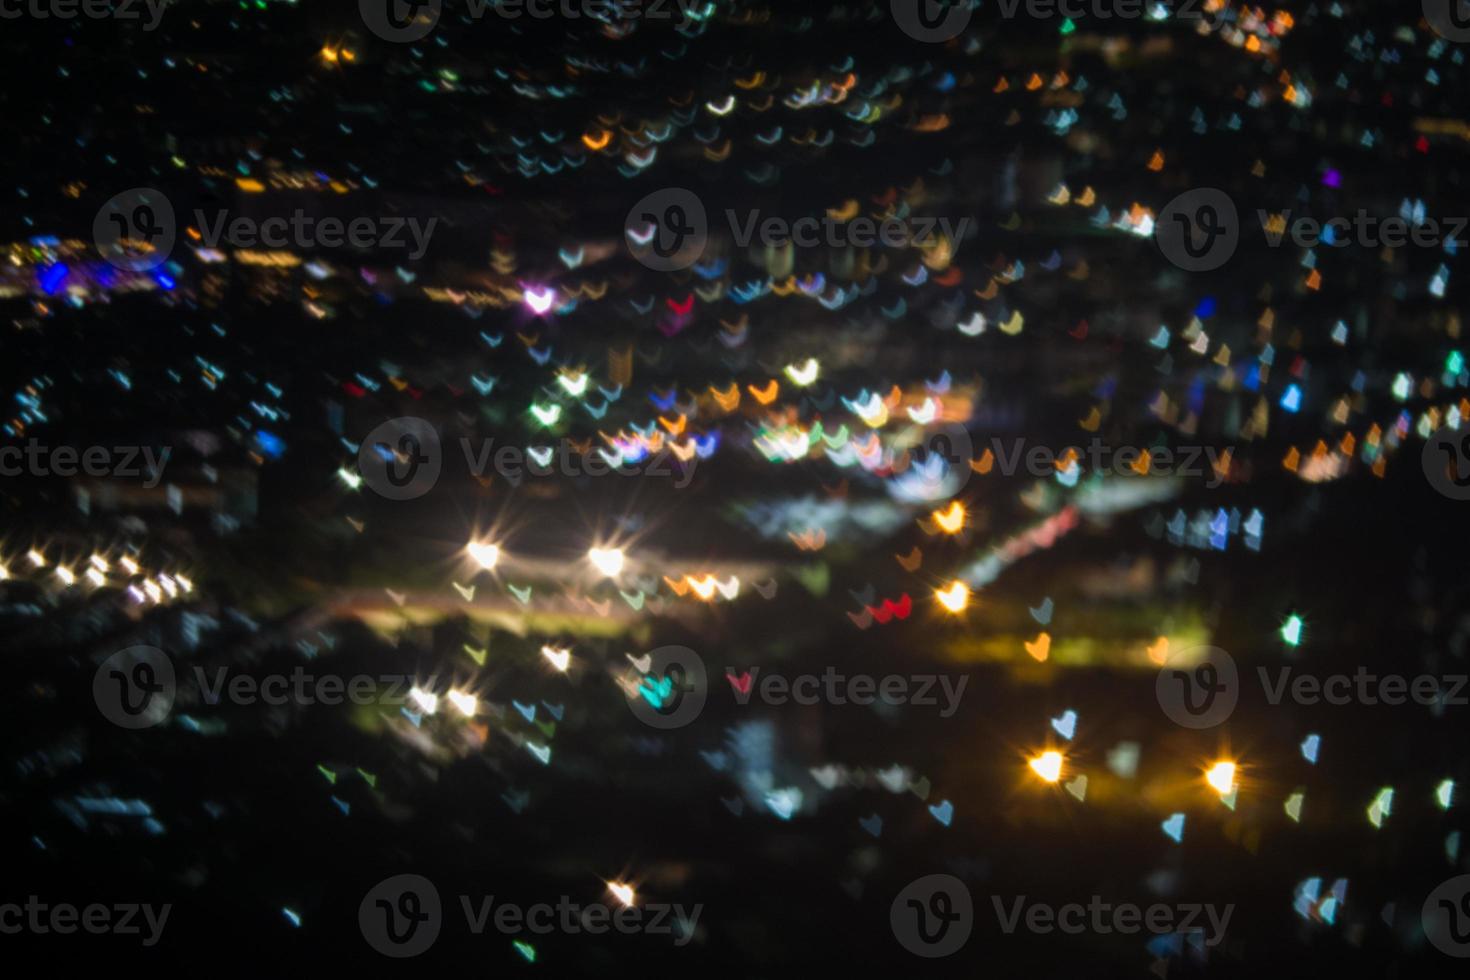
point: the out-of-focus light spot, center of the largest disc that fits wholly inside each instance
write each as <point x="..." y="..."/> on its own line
<point x="608" y="561"/>
<point x="52" y="277"/>
<point x="1174" y="827"/>
<point x="952" y="520"/>
<point x="426" y="701"/>
<point x="1402" y="386"/>
<point x="955" y="598"/>
<point x="1047" y="765"/>
<point x="622" y="892"/>
<point x="465" y="702"/>
<point x="547" y="415"/>
<point x="573" y="384"/>
<point x="271" y="445"/>
<point x="803" y="374"/>
<point x="1293" y="806"/>
<point x="1381" y="807"/>
<point x="485" y="555"/>
<point x="1444" y="794"/>
<point x="1291" y="630"/>
<point x="1291" y="399"/>
<point x="1310" y="747"/>
<point x="560" y="658"/>
<point x="1221" y="777"/>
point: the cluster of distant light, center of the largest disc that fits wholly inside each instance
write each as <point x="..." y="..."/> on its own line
<point x="98" y="571"/>
<point x="1222" y="777"/>
<point x="1211" y="530"/>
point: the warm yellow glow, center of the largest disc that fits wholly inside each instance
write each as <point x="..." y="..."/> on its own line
<point x="1221" y="777"/>
<point x="609" y="561"/>
<point x="486" y="555"/>
<point x="97" y="579"/>
<point x="65" y="575"/>
<point x="560" y="658"/>
<point x="955" y="598"/>
<point x="1048" y="765"/>
<point x="98" y="562"/>
<point x="466" y="703"/>
<point x="952" y="520"/>
<point x="37" y="559"/>
<point x="623" y="893"/>
<point x="129" y="564"/>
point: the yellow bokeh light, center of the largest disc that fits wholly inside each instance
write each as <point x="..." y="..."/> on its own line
<point x="1221" y="777"/>
<point x="955" y="598"/>
<point x="1048" y="765"/>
